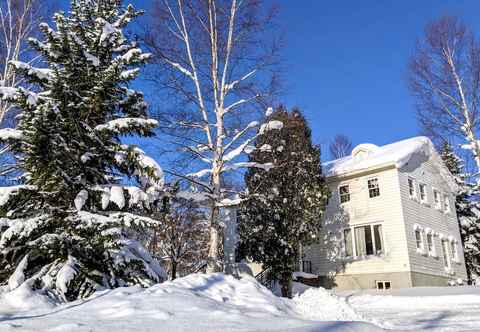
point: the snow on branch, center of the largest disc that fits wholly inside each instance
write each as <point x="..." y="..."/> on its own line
<point x="10" y="134"/>
<point x="43" y="74"/>
<point x="271" y="125"/>
<point x="127" y="124"/>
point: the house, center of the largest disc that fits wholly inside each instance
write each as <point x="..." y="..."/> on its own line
<point x="391" y="220"/>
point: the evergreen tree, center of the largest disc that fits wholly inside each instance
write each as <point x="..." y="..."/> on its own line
<point x="66" y="229"/>
<point x="468" y="211"/>
<point x="288" y="200"/>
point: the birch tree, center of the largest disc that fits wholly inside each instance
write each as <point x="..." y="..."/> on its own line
<point x="217" y="60"/>
<point x="341" y="146"/>
<point x="444" y="78"/>
<point x="19" y="20"/>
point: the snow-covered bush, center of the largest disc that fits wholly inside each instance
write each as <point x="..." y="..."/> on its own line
<point x="66" y="229"/>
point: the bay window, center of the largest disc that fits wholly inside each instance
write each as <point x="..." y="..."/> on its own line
<point x="363" y="241"/>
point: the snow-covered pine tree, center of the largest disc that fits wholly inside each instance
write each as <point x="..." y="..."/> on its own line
<point x="468" y="211"/>
<point x="288" y="200"/>
<point x="66" y="229"/>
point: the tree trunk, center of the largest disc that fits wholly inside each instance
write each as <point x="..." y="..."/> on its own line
<point x="174" y="270"/>
<point x="214" y="243"/>
<point x="286" y="284"/>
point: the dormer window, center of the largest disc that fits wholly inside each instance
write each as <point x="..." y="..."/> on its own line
<point x="373" y="188"/>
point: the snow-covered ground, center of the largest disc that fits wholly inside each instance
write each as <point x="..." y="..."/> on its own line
<point x="195" y="303"/>
<point x="421" y="308"/>
<point x="216" y="302"/>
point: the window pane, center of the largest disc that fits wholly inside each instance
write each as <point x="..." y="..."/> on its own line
<point x="360" y="245"/>
<point x="445" y="253"/>
<point x="423" y="192"/>
<point x="344" y="194"/>
<point x="430" y="242"/>
<point x="347" y="236"/>
<point x="377" y="233"/>
<point x="418" y="238"/>
<point x="411" y="189"/>
<point x="373" y="188"/>
<point x="368" y="240"/>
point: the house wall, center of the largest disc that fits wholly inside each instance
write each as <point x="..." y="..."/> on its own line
<point x="427" y="216"/>
<point x="327" y="257"/>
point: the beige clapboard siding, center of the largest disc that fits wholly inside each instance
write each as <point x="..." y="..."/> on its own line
<point x="362" y="209"/>
<point x="427" y="216"/>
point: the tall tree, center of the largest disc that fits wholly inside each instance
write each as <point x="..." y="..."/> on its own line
<point x="19" y="21"/>
<point x="340" y="147"/>
<point x="289" y="200"/>
<point x="444" y="78"/>
<point x="217" y="59"/>
<point x="66" y="229"/>
<point x="468" y="211"/>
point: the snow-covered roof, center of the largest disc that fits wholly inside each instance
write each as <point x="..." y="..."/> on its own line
<point x="368" y="156"/>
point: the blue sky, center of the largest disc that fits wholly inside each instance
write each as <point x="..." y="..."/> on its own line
<point x="347" y="63"/>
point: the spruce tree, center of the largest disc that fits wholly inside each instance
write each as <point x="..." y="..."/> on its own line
<point x="288" y="200"/>
<point x="66" y="229"/>
<point x="468" y="211"/>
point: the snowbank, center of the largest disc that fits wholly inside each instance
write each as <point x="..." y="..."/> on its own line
<point x="202" y="302"/>
<point x="421" y="308"/>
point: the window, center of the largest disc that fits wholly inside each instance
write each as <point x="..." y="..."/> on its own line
<point x="454" y="249"/>
<point x="411" y="188"/>
<point x="446" y="203"/>
<point x="365" y="240"/>
<point x="383" y="285"/>
<point x="419" y="240"/>
<point x="373" y="188"/>
<point x="423" y="192"/>
<point x="377" y="234"/>
<point x="446" y="260"/>
<point x="347" y="237"/>
<point x="436" y="199"/>
<point x="430" y="245"/>
<point x="344" y="192"/>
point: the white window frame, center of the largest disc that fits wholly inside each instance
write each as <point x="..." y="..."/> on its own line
<point x="454" y="250"/>
<point x="354" y="244"/>
<point x="378" y="186"/>
<point x="432" y="252"/>
<point x="421" y="249"/>
<point x="446" y="256"/>
<point x="437" y="205"/>
<point x="446" y="203"/>
<point x="425" y="191"/>
<point x="413" y="187"/>
<point x="340" y="193"/>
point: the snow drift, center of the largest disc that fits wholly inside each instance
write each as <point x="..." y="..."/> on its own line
<point x="212" y="302"/>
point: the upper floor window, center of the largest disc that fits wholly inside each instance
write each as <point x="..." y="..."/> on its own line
<point x="436" y="199"/>
<point x="446" y="203"/>
<point x="373" y="188"/>
<point x="412" y="192"/>
<point x="423" y="192"/>
<point x="344" y="192"/>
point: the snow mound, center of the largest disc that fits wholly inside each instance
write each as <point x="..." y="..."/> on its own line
<point x="200" y="302"/>
<point x="320" y="304"/>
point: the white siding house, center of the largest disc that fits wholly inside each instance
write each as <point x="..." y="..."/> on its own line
<point x="391" y="220"/>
